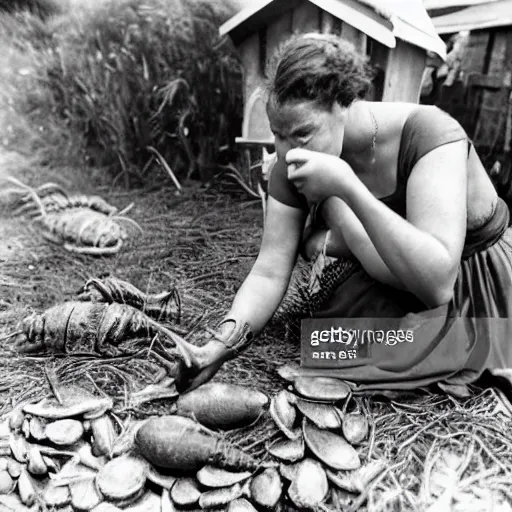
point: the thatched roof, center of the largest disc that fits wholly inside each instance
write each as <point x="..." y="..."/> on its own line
<point x="382" y="20"/>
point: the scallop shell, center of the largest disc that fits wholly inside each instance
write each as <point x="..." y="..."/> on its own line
<point x="19" y="447"/>
<point x="121" y="478"/>
<point x="14" y="468"/>
<point x="106" y="507"/>
<point x="219" y="497"/>
<point x="309" y="487"/>
<point x="358" y="480"/>
<point x="64" y="432"/>
<point x="6" y="482"/>
<point x="25" y="428"/>
<point x="103" y="434"/>
<point x="185" y="492"/>
<point x="35" y="462"/>
<point x="289" y="450"/>
<point x="37" y="428"/>
<point x="210" y="476"/>
<point x="149" y="502"/>
<point x="166" y="504"/>
<point x="322" y="415"/>
<point x="12" y="503"/>
<point x="326" y="389"/>
<point x="161" y="479"/>
<point x="240" y="505"/>
<point x="16" y="418"/>
<point x="56" y="496"/>
<point x="289" y="371"/>
<point x="284" y="414"/>
<point x="26" y="489"/>
<point x="289" y="471"/>
<point x="355" y="427"/>
<point x="332" y="449"/>
<point x="50" y="408"/>
<point x="266" y="488"/>
<point x="82" y="486"/>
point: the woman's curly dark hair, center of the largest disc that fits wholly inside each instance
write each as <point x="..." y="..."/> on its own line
<point x="320" y="67"/>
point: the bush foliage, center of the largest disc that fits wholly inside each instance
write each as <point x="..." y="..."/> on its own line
<point x="101" y="83"/>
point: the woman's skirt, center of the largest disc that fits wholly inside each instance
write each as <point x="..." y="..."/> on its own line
<point x="383" y="338"/>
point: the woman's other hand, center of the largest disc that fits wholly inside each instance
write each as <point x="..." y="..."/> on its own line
<point x="318" y="175"/>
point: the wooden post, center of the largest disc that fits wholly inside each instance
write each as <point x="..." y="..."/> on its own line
<point x="404" y="71"/>
<point x="355" y="36"/>
<point x="277" y="32"/>
<point x="329" y="24"/>
<point x="306" y="18"/>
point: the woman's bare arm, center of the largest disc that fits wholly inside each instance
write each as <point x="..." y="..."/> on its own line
<point x="423" y="251"/>
<point x="265" y="286"/>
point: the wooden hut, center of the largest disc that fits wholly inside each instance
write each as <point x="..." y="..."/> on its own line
<point x="479" y="95"/>
<point x="395" y="34"/>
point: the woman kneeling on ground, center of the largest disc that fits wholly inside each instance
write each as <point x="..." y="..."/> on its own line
<point x="401" y="190"/>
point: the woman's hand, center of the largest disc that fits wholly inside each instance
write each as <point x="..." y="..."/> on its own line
<point x="318" y="175"/>
<point x="206" y="363"/>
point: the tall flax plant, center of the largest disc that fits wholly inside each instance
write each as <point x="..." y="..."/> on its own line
<point x="113" y="76"/>
<point x="25" y="101"/>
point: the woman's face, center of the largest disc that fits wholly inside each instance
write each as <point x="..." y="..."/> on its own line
<point x="306" y="124"/>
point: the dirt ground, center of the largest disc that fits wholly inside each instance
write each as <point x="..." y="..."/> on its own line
<point x="203" y="242"/>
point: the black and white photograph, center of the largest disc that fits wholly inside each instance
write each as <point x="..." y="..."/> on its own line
<point x="255" y="255"/>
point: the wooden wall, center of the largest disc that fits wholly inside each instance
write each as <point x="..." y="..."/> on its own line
<point x="479" y="99"/>
<point x="404" y="72"/>
<point x="401" y="68"/>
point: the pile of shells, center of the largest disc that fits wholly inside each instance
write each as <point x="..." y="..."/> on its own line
<point x="72" y="454"/>
<point x="65" y="454"/>
<point x="318" y="452"/>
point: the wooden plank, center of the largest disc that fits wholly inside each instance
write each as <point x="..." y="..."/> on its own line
<point x="404" y="72"/>
<point x="379" y="55"/>
<point x="329" y="24"/>
<point x="474" y="56"/>
<point x="355" y="36"/>
<point x="498" y="54"/>
<point x="252" y="19"/>
<point x="277" y="32"/>
<point x="306" y="18"/>
<point x="249" y="51"/>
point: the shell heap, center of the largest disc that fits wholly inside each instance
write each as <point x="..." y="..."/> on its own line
<point x="72" y="456"/>
<point x="318" y="451"/>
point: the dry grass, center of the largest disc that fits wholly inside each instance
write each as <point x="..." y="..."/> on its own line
<point x="440" y="449"/>
<point x="102" y="81"/>
<point x="77" y="89"/>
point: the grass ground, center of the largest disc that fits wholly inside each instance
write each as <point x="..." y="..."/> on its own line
<point x="443" y="453"/>
<point x="439" y="449"/>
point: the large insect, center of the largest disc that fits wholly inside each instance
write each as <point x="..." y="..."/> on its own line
<point x="81" y="224"/>
<point x="164" y="306"/>
<point x="100" y="328"/>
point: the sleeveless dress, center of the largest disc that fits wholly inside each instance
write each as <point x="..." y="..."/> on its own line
<point x="453" y="343"/>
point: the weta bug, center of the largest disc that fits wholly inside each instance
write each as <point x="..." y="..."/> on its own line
<point x="81" y="224"/>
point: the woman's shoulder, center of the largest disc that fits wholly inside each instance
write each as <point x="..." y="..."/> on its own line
<point x="425" y="128"/>
<point x="432" y="117"/>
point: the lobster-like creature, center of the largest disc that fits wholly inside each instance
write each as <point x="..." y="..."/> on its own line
<point x="81" y="224"/>
<point x="108" y="317"/>
<point x="108" y="330"/>
<point x="165" y="306"/>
